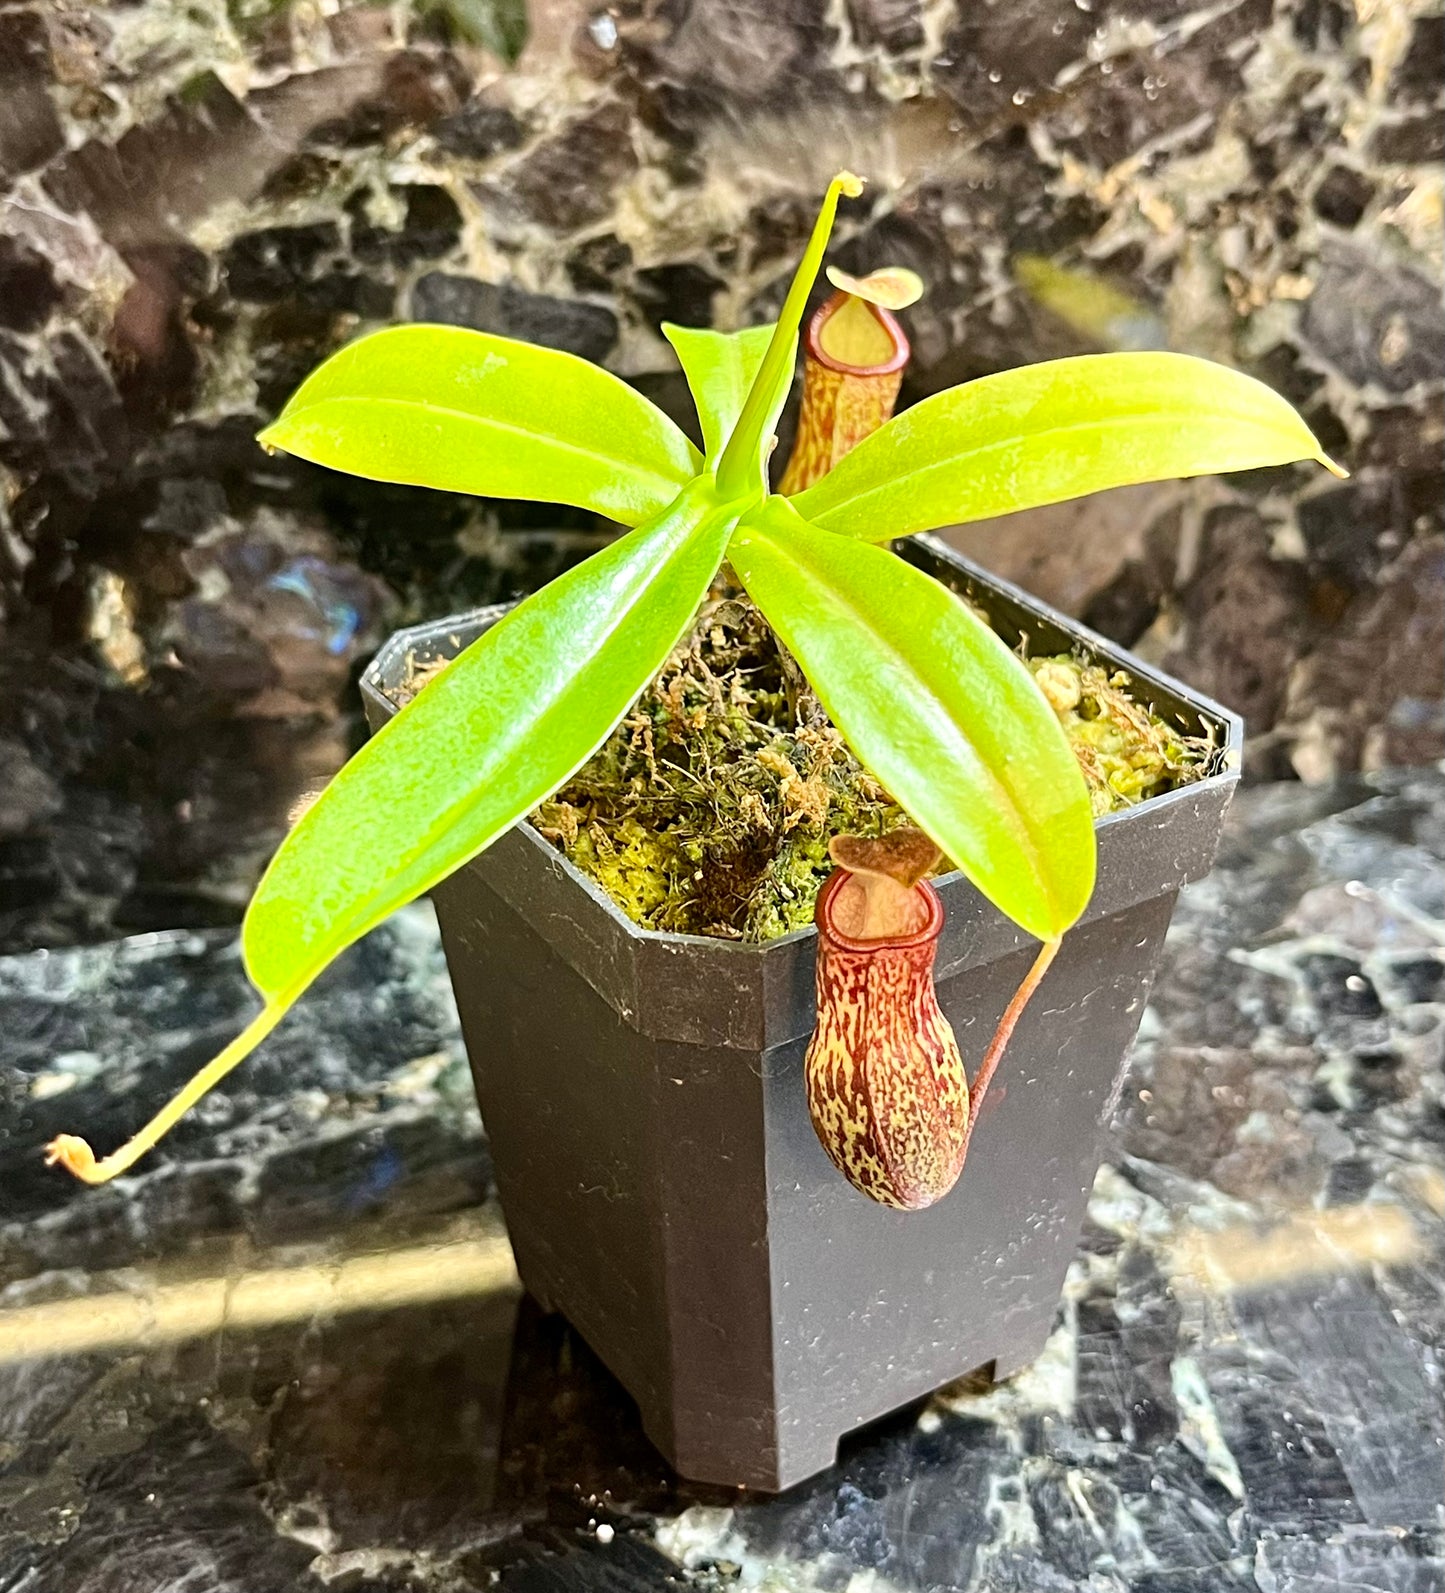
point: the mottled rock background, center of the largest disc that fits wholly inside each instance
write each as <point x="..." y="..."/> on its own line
<point x="201" y="199"/>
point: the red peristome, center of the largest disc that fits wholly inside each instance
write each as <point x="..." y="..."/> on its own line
<point x="886" y="1086"/>
<point x="842" y="404"/>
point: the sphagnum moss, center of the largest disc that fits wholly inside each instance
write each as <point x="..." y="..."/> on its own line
<point x="1127" y="753"/>
<point x="709" y="810"/>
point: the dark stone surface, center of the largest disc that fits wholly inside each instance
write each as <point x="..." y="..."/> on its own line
<point x="1342" y="196"/>
<point x="568" y="180"/>
<point x="1245" y="1389"/>
<point x="1378" y="324"/>
<point x="1417" y="78"/>
<point x="30" y="130"/>
<point x="198" y="203"/>
<point x="480" y="128"/>
<point x="586" y="329"/>
<point x="1413" y="141"/>
<point x="895" y="24"/>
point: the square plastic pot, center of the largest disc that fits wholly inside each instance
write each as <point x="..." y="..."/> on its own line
<point x="661" y="1181"/>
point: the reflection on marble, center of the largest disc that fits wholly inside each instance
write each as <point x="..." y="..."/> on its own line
<point x="320" y="1375"/>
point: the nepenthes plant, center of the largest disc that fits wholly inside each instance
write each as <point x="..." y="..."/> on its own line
<point x="930" y="700"/>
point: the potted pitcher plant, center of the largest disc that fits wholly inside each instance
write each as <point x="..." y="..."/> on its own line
<point x="729" y="1141"/>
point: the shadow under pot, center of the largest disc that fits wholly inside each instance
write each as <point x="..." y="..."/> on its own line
<point x="661" y="1179"/>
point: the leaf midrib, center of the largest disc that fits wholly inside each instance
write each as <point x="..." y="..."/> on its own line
<point x="619" y="615"/>
<point x="452" y="816"/>
<point x="1030" y="844"/>
<point x="610" y="461"/>
<point x="1151" y="416"/>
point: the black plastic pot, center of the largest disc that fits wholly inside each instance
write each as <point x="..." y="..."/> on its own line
<point x="662" y="1184"/>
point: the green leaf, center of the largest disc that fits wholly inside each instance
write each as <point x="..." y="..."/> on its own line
<point x="1048" y="432"/>
<point x="743" y="466"/>
<point x="720" y="368"/>
<point x="497" y="731"/>
<point x="441" y="406"/>
<point x="936" y="706"/>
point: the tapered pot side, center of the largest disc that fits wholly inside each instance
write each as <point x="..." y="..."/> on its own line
<point x="663" y="1186"/>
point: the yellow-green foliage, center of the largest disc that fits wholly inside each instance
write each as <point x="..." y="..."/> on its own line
<point x="709" y="810"/>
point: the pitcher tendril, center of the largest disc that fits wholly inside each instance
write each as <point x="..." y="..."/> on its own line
<point x="76" y="1156"/>
<point x="1004" y="1032"/>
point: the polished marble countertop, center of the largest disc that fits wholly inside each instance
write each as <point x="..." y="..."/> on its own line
<point x="291" y="1352"/>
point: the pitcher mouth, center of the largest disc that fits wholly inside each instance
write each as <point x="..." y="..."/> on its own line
<point x="930" y="930"/>
<point x="813" y="341"/>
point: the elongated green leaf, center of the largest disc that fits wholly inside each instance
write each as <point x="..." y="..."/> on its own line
<point x="502" y="727"/>
<point x="743" y="466"/>
<point x="720" y="368"/>
<point x="936" y="706"/>
<point x="441" y="406"/>
<point x="1048" y="432"/>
